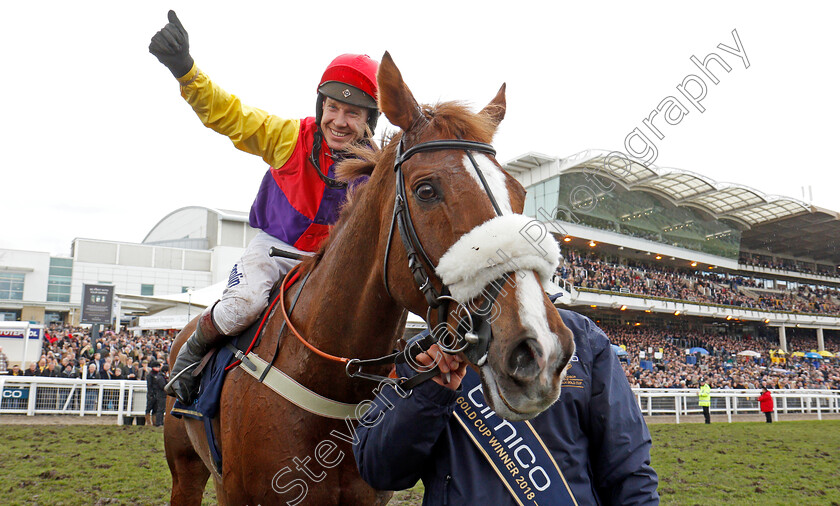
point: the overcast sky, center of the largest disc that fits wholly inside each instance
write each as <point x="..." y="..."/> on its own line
<point x="98" y="143"/>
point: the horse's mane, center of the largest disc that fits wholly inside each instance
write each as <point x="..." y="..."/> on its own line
<point x="453" y="120"/>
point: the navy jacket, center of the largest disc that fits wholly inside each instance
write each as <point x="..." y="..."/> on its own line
<point x="595" y="432"/>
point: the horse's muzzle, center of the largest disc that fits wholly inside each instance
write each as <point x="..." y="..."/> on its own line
<point x="528" y="380"/>
<point x="525" y="360"/>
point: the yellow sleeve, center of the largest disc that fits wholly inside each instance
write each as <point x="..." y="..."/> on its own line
<point x="250" y="129"/>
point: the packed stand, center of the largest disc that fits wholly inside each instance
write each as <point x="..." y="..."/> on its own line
<point x="590" y="271"/>
<point x="722" y="367"/>
<point x="69" y="352"/>
<point x="788" y="265"/>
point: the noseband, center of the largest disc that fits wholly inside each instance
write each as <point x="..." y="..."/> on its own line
<point x="473" y="333"/>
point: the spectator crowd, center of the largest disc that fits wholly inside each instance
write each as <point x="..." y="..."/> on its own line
<point x="788" y="265"/>
<point x="630" y="277"/>
<point x="722" y="367"/>
<point x="71" y="352"/>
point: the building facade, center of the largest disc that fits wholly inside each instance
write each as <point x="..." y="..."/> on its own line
<point x="189" y="249"/>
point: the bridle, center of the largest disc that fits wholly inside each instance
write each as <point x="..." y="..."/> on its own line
<point x="473" y="333"/>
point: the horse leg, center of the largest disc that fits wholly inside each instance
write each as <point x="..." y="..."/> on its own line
<point x="189" y="474"/>
<point x="220" y="491"/>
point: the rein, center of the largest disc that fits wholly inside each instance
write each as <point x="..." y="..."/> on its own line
<point x="291" y="326"/>
<point x="353" y="366"/>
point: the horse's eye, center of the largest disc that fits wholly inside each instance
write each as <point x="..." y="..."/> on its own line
<point x="425" y="192"/>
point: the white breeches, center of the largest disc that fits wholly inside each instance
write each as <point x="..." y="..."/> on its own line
<point x="249" y="284"/>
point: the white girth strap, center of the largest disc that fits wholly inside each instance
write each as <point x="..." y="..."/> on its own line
<point x="509" y="243"/>
<point x="301" y="396"/>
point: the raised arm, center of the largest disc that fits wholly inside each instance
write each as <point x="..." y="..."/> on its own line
<point x="250" y="129"/>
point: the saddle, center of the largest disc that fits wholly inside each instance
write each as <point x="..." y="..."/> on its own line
<point x="213" y="370"/>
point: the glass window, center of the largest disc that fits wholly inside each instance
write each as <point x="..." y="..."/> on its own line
<point x="9" y="316"/>
<point x="51" y="316"/>
<point x="552" y="185"/>
<point x="147" y="289"/>
<point x="61" y="271"/>
<point x="58" y="283"/>
<point x="539" y="203"/>
<point x="638" y="213"/>
<point x="58" y="280"/>
<point x="11" y="285"/>
<point x="61" y="262"/>
<point x="551" y="201"/>
<point x="530" y="209"/>
<point x="61" y="267"/>
<point x="58" y="292"/>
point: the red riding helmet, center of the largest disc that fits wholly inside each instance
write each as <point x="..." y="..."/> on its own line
<point x="350" y="78"/>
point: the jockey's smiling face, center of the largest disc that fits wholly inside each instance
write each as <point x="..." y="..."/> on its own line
<point x="343" y="124"/>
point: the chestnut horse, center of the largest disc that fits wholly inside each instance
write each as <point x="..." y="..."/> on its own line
<point x="354" y="304"/>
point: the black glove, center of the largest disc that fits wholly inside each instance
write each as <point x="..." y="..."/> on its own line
<point x="171" y="45"/>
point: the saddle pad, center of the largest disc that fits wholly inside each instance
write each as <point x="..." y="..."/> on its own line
<point x="206" y="406"/>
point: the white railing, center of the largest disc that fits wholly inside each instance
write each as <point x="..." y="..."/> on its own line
<point x="33" y="395"/>
<point x="678" y="402"/>
<point x="28" y="395"/>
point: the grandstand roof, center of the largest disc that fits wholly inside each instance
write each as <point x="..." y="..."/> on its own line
<point x="728" y="201"/>
<point x="189" y="223"/>
<point x="815" y="234"/>
<point x="781" y="225"/>
<point x="528" y="161"/>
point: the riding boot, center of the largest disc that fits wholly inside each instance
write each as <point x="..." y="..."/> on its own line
<point x="183" y="383"/>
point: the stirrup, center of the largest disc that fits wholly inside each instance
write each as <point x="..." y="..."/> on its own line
<point x="190" y="367"/>
<point x="170" y="386"/>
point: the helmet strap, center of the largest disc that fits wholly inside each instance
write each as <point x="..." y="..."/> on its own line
<point x="315" y="155"/>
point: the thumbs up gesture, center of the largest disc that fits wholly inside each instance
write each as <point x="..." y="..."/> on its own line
<point x="171" y="45"/>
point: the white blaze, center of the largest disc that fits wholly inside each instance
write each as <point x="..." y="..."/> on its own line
<point x="496" y="180"/>
<point x="532" y="315"/>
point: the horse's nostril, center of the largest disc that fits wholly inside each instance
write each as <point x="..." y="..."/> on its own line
<point x="524" y="360"/>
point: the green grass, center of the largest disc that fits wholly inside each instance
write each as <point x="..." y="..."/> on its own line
<point x="732" y="464"/>
<point x="748" y="463"/>
<point x="83" y="465"/>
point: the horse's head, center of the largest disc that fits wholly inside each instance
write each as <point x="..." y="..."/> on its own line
<point x="459" y="223"/>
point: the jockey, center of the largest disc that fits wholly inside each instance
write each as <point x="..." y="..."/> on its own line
<point x="298" y="199"/>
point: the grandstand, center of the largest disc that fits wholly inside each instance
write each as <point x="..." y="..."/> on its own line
<point x="667" y="249"/>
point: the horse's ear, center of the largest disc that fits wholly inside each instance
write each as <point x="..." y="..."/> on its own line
<point x="495" y="110"/>
<point x="395" y="99"/>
